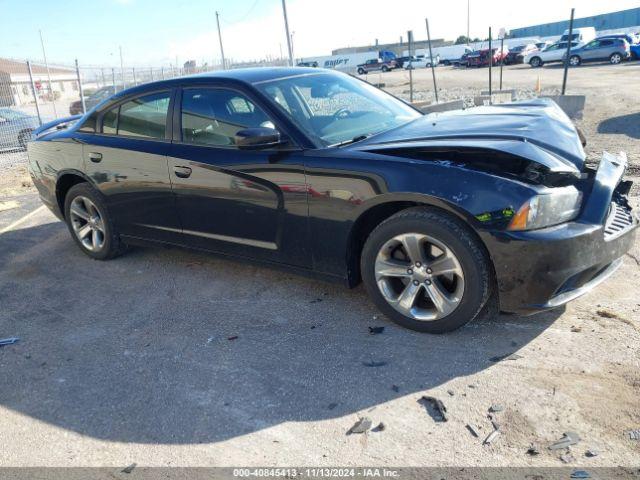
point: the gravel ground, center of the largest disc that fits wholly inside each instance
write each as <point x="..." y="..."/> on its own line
<point x="175" y="358"/>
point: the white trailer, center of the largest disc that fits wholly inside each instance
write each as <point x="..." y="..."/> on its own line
<point x="447" y="54"/>
<point x="347" y="62"/>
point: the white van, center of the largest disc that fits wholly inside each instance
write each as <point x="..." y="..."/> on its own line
<point x="580" y="35"/>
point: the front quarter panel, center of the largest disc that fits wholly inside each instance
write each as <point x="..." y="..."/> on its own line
<point x="343" y="185"/>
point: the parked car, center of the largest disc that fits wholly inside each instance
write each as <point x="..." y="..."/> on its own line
<point x="543" y="45"/>
<point x="312" y="64"/>
<point x="377" y="64"/>
<point x="16" y="128"/>
<point x="616" y="50"/>
<point x="553" y="53"/>
<point x="516" y="54"/>
<point x="463" y="61"/>
<point x="631" y="38"/>
<point x="75" y="108"/>
<point x="635" y="51"/>
<point x="421" y="62"/>
<point x="401" y="62"/>
<point x="434" y="215"/>
<point x="480" y="58"/>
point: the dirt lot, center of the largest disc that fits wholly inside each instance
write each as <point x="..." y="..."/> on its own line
<point x="175" y="358"/>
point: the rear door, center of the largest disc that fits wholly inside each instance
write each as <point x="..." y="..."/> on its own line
<point x="244" y="202"/>
<point x="127" y="160"/>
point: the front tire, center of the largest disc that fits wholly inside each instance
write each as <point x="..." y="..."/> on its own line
<point x="385" y="68"/>
<point x="361" y="71"/>
<point x="426" y="271"/>
<point x="89" y="223"/>
<point x="535" y="62"/>
<point x="575" y="60"/>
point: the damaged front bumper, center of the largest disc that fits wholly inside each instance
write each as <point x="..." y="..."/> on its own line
<point x="546" y="268"/>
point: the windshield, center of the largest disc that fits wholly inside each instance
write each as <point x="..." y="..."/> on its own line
<point x="334" y="108"/>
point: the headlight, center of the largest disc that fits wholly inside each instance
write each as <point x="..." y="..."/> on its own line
<point x="558" y="206"/>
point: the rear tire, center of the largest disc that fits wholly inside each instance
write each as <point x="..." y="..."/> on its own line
<point x="23" y="138"/>
<point x="466" y="283"/>
<point x="385" y="68"/>
<point x="361" y="71"/>
<point x="615" y="59"/>
<point x="90" y="224"/>
<point x="575" y="60"/>
<point x="535" y="62"/>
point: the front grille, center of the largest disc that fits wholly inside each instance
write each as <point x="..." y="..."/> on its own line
<point x="619" y="220"/>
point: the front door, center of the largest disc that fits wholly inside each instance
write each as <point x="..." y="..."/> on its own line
<point x="244" y="202"/>
<point x="127" y="161"/>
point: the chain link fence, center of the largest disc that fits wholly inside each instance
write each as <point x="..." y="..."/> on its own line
<point x="34" y="93"/>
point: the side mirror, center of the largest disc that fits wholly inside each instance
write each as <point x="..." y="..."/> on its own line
<point x="258" y="138"/>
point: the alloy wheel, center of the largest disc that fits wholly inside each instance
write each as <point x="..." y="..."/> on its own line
<point x="419" y="276"/>
<point x="88" y="224"/>
<point x="616" y="58"/>
<point x="574" y="61"/>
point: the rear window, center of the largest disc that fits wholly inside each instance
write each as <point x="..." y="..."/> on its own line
<point x="144" y="117"/>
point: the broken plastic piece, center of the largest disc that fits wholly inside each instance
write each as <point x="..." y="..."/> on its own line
<point x="591" y="453"/>
<point x="472" y="429"/>
<point x="568" y="438"/>
<point x="496" y="408"/>
<point x="129" y="469"/>
<point x="491" y="437"/>
<point x="374" y="364"/>
<point x="438" y="406"/>
<point x="8" y="341"/>
<point x="361" y="426"/>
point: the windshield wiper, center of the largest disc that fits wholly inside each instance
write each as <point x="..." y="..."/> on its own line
<point x="357" y="138"/>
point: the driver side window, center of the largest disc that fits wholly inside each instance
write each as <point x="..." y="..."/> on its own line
<point x="213" y="116"/>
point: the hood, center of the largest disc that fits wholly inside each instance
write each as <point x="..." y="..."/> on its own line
<point x="536" y="130"/>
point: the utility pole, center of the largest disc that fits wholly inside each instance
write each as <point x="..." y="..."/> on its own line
<point x="566" y="60"/>
<point x="468" y="16"/>
<point x="124" y="84"/>
<point x="286" y="27"/>
<point x="432" y="61"/>
<point x="224" y="63"/>
<point x="44" y="54"/>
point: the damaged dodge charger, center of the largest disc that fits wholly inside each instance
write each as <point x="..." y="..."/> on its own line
<point x="321" y="173"/>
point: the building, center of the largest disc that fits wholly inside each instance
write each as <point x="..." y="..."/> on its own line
<point x="15" y="84"/>
<point x="396" y="48"/>
<point x="625" y="20"/>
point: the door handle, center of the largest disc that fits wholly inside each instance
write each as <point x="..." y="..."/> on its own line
<point x="182" y="172"/>
<point x="95" y="157"/>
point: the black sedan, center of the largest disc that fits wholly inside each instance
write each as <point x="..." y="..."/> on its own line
<point x="321" y="173"/>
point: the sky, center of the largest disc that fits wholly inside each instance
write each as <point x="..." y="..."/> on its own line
<point x="161" y="32"/>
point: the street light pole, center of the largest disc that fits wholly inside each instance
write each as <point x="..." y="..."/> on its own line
<point x="468" y="11"/>
<point x="286" y="27"/>
<point x="224" y="63"/>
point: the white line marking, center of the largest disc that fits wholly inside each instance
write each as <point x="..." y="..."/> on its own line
<point x="21" y="220"/>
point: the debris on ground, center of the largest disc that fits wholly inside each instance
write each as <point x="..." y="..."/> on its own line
<point x="332" y="405"/>
<point x="395" y="388"/>
<point x="235" y="337"/>
<point x="580" y="474"/>
<point x="634" y="434"/>
<point x="379" y="428"/>
<point x="473" y="429"/>
<point x="437" y="411"/>
<point x="361" y="426"/>
<point x="533" y="450"/>
<point x="606" y="313"/>
<point x="508" y="356"/>
<point x="317" y="300"/>
<point x="8" y="341"/>
<point x="129" y="469"/>
<point x="496" y="408"/>
<point x="568" y="438"/>
<point x="576" y="329"/>
<point x="491" y="437"/>
<point x="451" y="392"/>
<point x="376" y="330"/>
<point x="374" y="364"/>
<point x="591" y="453"/>
<point x="567" y="457"/>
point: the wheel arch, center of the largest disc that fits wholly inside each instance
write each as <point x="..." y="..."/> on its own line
<point x="386" y="206"/>
<point x="65" y="180"/>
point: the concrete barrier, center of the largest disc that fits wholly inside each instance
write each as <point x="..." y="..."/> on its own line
<point x="510" y="91"/>
<point x="426" y="107"/>
<point x="572" y="105"/>
<point x="504" y="97"/>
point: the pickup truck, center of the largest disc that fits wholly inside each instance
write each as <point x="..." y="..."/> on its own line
<point x="376" y="64"/>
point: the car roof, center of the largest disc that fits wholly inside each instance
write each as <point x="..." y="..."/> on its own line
<point x="242" y="75"/>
